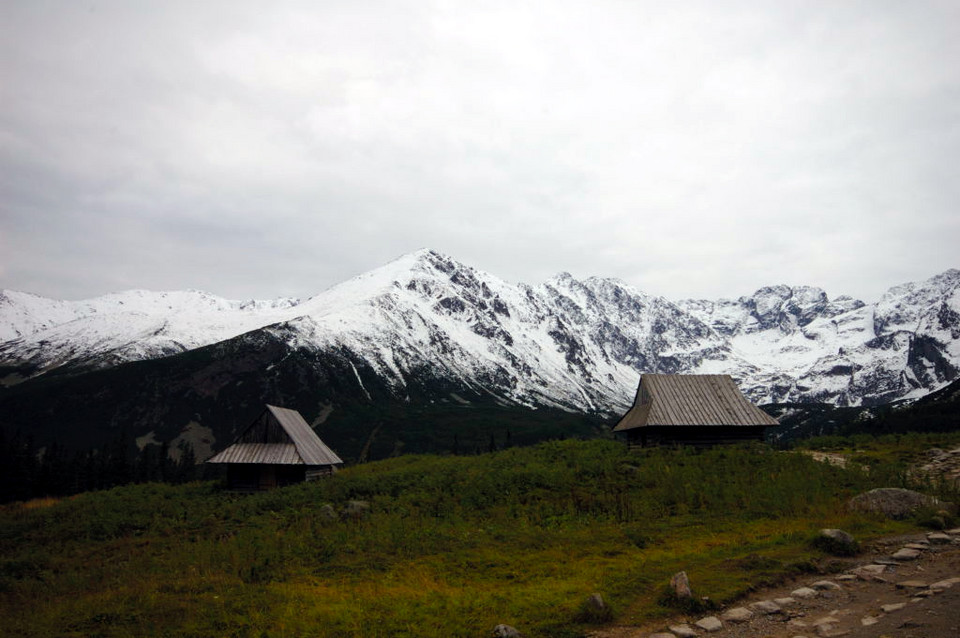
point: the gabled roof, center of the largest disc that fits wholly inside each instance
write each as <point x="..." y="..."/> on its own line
<point x="691" y="399"/>
<point x="278" y="437"/>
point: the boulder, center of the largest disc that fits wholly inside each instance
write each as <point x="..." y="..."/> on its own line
<point x="836" y="542"/>
<point x="505" y="631"/>
<point x="892" y="502"/>
<point x="680" y="585"/>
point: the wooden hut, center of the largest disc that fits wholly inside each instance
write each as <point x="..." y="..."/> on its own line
<point x="277" y="449"/>
<point x="692" y="409"/>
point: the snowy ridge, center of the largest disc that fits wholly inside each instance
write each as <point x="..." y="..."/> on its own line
<point x="124" y="326"/>
<point x="578" y="345"/>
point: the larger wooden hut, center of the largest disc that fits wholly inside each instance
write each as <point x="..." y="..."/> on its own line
<point x="277" y="449"/>
<point x="692" y="409"/>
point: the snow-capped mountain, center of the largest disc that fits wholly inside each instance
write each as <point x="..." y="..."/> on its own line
<point x="579" y="345"/>
<point x="125" y="326"/>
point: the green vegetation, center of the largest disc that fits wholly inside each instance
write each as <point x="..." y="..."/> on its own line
<point x="452" y="545"/>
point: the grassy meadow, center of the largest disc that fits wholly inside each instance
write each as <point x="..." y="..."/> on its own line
<point x="451" y="546"/>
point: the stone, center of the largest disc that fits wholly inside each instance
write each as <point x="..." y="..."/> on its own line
<point x="919" y="546"/>
<point x="873" y="568"/>
<point x="955" y="531"/>
<point x="680" y="585"/>
<point x="866" y="621"/>
<point x="355" y="510"/>
<point x="836" y="542"/>
<point x="765" y="607"/>
<point x="595" y="602"/>
<point x="846" y="577"/>
<point x="828" y="630"/>
<point x="892" y="607"/>
<point x="924" y="593"/>
<point x="662" y="634"/>
<point x="737" y="615"/>
<point x="826" y="620"/>
<point x="804" y="593"/>
<point x="906" y="554"/>
<point x="939" y="538"/>
<point x="941" y="585"/>
<point x="327" y="514"/>
<point x="824" y="585"/>
<point x="870" y="577"/>
<point x="710" y="623"/>
<point x="505" y="631"/>
<point x="683" y="631"/>
<point x="786" y="601"/>
<point x="911" y="584"/>
<point x="892" y="502"/>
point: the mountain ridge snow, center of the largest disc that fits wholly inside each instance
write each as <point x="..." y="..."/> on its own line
<point x="574" y="344"/>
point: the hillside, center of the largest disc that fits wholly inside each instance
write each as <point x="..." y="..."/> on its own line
<point x="448" y="546"/>
<point x="429" y="355"/>
<point x="938" y="411"/>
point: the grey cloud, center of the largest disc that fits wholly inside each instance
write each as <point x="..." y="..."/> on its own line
<point x="692" y="148"/>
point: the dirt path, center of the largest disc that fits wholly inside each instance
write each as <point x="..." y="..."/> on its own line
<point x="876" y="596"/>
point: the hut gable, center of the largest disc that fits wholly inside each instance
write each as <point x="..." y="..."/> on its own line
<point x="279" y="447"/>
<point x="695" y="409"/>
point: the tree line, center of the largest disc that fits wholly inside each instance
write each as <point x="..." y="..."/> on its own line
<point x="27" y="472"/>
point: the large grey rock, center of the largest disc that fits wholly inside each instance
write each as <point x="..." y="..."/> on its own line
<point x="892" y="502"/>
<point x="505" y="631"/>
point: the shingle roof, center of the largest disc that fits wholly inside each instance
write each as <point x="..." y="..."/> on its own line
<point x="301" y="445"/>
<point x="691" y="399"/>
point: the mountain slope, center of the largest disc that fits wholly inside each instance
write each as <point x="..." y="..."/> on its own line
<point x="427" y="326"/>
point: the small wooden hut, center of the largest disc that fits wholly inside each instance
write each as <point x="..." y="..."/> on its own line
<point x="692" y="409"/>
<point x="277" y="449"/>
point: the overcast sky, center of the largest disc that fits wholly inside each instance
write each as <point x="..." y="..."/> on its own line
<point x="692" y="149"/>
